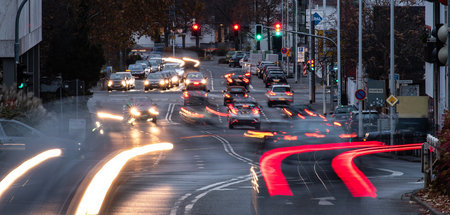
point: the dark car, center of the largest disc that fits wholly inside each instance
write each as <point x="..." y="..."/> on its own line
<point x="263" y="66"/>
<point x="195" y="81"/>
<point x="238" y="80"/>
<point x="195" y="98"/>
<point x="155" y="80"/>
<point x="342" y="113"/>
<point x="369" y="119"/>
<point x="234" y="60"/>
<point x="141" y="109"/>
<point x="118" y="81"/>
<point x="232" y="93"/>
<point x="275" y="77"/>
<point x="137" y="70"/>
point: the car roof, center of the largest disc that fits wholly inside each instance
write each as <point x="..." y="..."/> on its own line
<point x="281" y="85"/>
<point x="123" y="73"/>
<point x="230" y="87"/>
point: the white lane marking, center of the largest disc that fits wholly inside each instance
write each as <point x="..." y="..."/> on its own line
<point x="212" y="80"/>
<point x="393" y="172"/>
<point x="325" y="200"/>
<point x="229" y="150"/>
<point x="251" y="87"/>
<point x="168" y="112"/>
<point x="171" y="112"/>
<point x="173" y="211"/>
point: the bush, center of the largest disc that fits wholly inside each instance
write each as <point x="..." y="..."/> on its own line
<point x="21" y="106"/>
<point x="441" y="184"/>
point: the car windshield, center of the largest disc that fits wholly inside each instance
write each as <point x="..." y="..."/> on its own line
<point x="171" y="66"/>
<point x="154" y="76"/>
<point x="135" y="67"/>
<point x="236" y="90"/>
<point x="194" y="76"/>
<point x="117" y="76"/>
<point x="281" y="89"/>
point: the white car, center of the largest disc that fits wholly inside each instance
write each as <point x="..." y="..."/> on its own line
<point x="280" y="94"/>
<point x="244" y="114"/>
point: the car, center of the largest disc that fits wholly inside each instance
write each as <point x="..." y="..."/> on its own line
<point x="195" y="81"/>
<point x="244" y="60"/>
<point x="155" y="80"/>
<point x="280" y="94"/>
<point x="195" y="98"/>
<point x="244" y="114"/>
<point x="268" y="69"/>
<point x="119" y="81"/>
<point x="137" y="70"/>
<point x="15" y="135"/>
<point x="172" y="77"/>
<point x="342" y="113"/>
<point x="141" y="109"/>
<point x="176" y="79"/>
<point x="298" y="111"/>
<point x="155" y="64"/>
<point x="168" y="79"/>
<point x="275" y="77"/>
<point x="264" y="66"/>
<point x="369" y="118"/>
<point x="131" y="80"/>
<point x="229" y="54"/>
<point x="238" y="80"/>
<point x="234" y="60"/>
<point x="232" y="93"/>
<point x="175" y="67"/>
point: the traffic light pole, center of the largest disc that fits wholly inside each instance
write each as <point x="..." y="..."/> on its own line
<point x="16" y="37"/>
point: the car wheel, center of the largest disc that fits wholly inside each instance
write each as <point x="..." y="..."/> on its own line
<point x="269" y="104"/>
<point x="230" y="126"/>
<point x="229" y="65"/>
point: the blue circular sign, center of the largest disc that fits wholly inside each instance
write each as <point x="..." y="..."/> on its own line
<point x="284" y="50"/>
<point x="360" y="94"/>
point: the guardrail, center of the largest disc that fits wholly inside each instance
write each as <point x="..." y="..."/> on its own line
<point x="429" y="157"/>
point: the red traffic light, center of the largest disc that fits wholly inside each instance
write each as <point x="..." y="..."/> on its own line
<point x="278" y="26"/>
<point x="236" y="27"/>
<point x="195" y="27"/>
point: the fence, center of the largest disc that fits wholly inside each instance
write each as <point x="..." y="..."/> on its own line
<point x="429" y="157"/>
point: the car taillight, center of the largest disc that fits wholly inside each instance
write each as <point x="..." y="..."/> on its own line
<point x="310" y="113"/>
<point x="255" y="111"/>
<point x="337" y="124"/>
<point x="247" y="74"/>
<point x="227" y="95"/>
<point x="230" y="80"/>
<point x="186" y="94"/>
<point x="300" y="116"/>
<point x="272" y="93"/>
<point x="289" y="93"/>
<point x="353" y="135"/>
<point x="287" y="112"/>
<point x="246" y="80"/>
<point x="246" y="95"/>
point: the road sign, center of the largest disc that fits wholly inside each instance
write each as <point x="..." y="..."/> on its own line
<point x="360" y="94"/>
<point x="288" y="53"/>
<point x="284" y="50"/>
<point x="392" y="100"/>
<point x="317" y="18"/>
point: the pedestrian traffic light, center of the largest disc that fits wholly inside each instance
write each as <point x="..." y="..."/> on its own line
<point x="236" y="27"/>
<point x="21" y="82"/>
<point x="277" y="29"/>
<point x="258" y="32"/>
<point x="440" y="52"/>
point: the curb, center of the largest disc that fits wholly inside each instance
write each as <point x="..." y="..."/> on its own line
<point x="424" y="204"/>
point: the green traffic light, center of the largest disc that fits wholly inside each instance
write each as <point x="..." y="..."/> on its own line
<point x="277" y="33"/>
<point x="21" y="85"/>
<point x="258" y="37"/>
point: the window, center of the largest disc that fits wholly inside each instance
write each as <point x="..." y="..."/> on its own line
<point x="13" y="129"/>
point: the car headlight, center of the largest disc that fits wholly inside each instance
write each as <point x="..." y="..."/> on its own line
<point x="153" y="111"/>
<point x="134" y="111"/>
<point x="146" y="82"/>
<point x="124" y="83"/>
<point x="167" y="81"/>
<point x="175" y="78"/>
<point x="161" y="82"/>
<point x="203" y="81"/>
<point x="110" y="83"/>
<point x="188" y="81"/>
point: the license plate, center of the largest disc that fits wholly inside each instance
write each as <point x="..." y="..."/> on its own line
<point x="282" y="99"/>
<point x="276" y="80"/>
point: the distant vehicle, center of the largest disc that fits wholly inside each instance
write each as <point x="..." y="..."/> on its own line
<point x="244" y="60"/>
<point x="176" y="67"/>
<point x="137" y="70"/>
<point x="195" y="81"/>
<point x="168" y="79"/>
<point x="269" y="68"/>
<point x="343" y="113"/>
<point x="229" y="55"/>
<point x="141" y="109"/>
<point x="15" y="135"/>
<point x="262" y="66"/>
<point x="238" y="80"/>
<point x="275" y="77"/>
<point x="131" y="80"/>
<point x="155" y="80"/>
<point x="234" y="60"/>
<point x="119" y="81"/>
<point x="143" y="62"/>
<point x="50" y="85"/>
<point x="174" y="80"/>
<point x="279" y="94"/>
<point x="244" y="114"/>
<point x="155" y="64"/>
<point x="369" y="118"/>
<point x="233" y="93"/>
<point x="195" y="98"/>
<point x="297" y="111"/>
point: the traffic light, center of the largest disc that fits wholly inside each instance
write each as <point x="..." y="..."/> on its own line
<point x="311" y="65"/>
<point x="277" y="29"/>
<point x="21" y="79"/>
<point x="258" y="32"/>
<point x="440" y="51"/>
<point x="236" y="27"/>
<point x="196" y="29"/>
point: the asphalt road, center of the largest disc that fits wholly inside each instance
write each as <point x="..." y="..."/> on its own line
<point x="208" y="171"/>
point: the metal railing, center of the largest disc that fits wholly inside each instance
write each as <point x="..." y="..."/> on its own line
<point x="430" y="156"/>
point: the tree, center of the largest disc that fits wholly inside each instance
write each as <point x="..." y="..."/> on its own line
<point x="186" y="11"/>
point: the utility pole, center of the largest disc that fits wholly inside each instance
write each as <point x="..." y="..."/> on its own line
<point x="436" y="71"/>
<point x="324" y="56"/>
<point x="392" y="67"/>
<point x="360" y="84"/>
<point x="312" y="80"/>
<point x="296" y="43"/>
<point x="339" y="77"/>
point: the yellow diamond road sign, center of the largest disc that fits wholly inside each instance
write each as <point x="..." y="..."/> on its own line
<point x="392" y="100"/>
